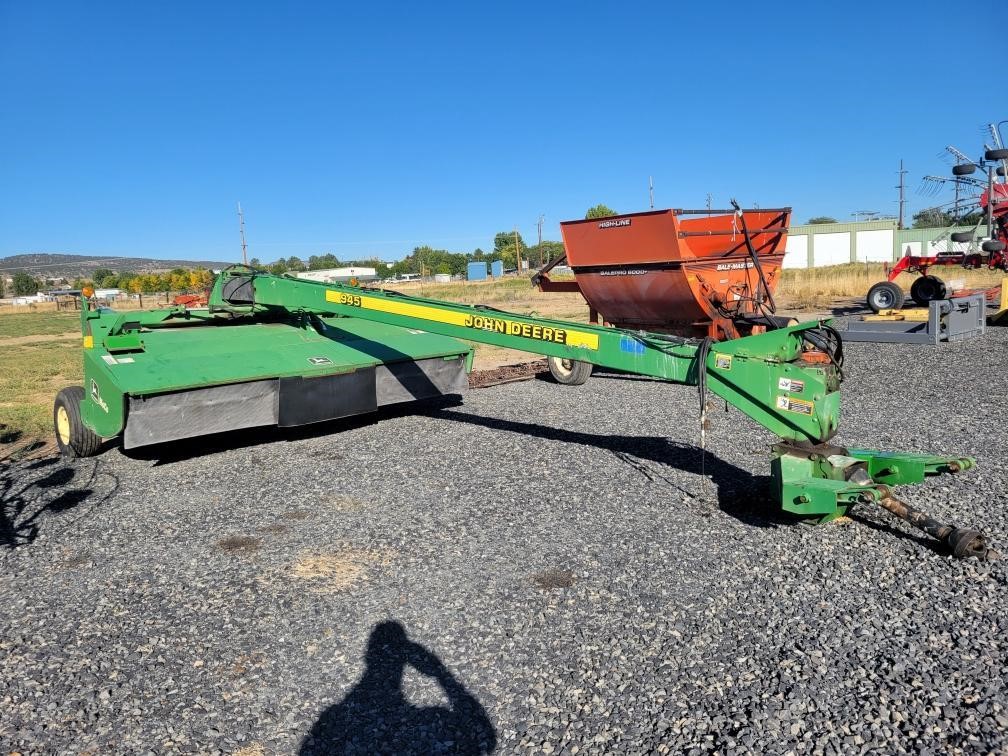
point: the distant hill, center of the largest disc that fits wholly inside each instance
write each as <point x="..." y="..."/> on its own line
<point x="73" y="266"/>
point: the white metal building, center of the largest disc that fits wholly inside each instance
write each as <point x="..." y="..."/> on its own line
<point x="337" y="275"/>
<point x="815" y="246"/>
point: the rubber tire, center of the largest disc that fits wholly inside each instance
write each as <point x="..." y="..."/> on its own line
<point x="926" y="289"/>
<point x="993" y="245"/>
<point x="1000" y="170"/>
<point x="885" y="295"/>
<point x="83" y="442"/>
<point x="576" y="374"/>
<point x="996" y="155"/>
<point x="962" y="237"/>
<point x="963" y="169"/>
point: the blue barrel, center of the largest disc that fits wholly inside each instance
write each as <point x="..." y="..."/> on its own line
<point x="477" y="271"/>
<point x="497" y="268"/>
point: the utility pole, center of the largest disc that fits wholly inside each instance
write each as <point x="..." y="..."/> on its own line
<point x="990" y="201"/>
<point x="709" y="200"/>
<point x="650" y="181"/>
<point x="902" y="195"/>
<point x="956" y="210"/>
<point x="241" y="230"/>
<point x="541" y="259"/>
<point x="517" y="251"/>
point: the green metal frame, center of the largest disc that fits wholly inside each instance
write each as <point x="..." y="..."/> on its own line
<point x="770" y="377"/>
<point x="747" y="373"/>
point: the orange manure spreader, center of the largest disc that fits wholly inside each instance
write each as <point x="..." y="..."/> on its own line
<point x="692" y="273"/>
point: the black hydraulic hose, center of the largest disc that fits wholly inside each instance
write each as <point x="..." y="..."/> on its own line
<point x="828" y="340"/>
<point x="755" y="257"/>
<point x="702" y="352"/>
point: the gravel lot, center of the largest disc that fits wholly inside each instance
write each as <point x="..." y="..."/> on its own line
<point x="541" y="568"/>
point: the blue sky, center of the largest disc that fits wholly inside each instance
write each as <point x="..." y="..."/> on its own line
<point x="133" y="128"/>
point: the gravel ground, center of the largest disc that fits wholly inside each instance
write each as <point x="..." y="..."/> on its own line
<point x="541" y="568"/>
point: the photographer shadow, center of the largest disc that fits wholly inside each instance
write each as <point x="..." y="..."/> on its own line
<point x="376" y="716"/>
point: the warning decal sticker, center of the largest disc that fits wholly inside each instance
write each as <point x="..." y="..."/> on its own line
<point x="790" y="404"/>
<point x="791" y="384"/>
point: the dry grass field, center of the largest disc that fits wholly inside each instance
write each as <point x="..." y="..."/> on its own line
<point x="41" y="349"/>
<point x="41" y="354"/>
<point x="819" y="288"/>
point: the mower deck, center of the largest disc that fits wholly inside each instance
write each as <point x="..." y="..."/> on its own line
<point x="201" y="377"/>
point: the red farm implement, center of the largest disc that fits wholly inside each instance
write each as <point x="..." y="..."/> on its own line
<point x="983" y="247"/>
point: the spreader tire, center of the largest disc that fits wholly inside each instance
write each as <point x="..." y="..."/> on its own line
<point x="993" y="245"/>
<point x="569" y="372"/>
<point x="962" y="237"/>
<point x="885" y="296"/>
<point x="73" y="438"/>
<point x="996" y="155"/>
<point x="963" y="169"/>
<point x="927" y="289"/>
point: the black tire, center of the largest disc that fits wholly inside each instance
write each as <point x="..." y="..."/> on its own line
<point x="73" y="438"/>
<point x="885" y="296"/>
<point x="963" y="169"/>
<point x="569" y="372"/>
<point x="1000" y="170"/>
<point x="996" y="155"/>
<point x="993" y="245"/>
<point x="927" y="289"/>
<point x="963" y="237"/>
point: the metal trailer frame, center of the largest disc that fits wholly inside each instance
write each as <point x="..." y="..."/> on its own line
<point x="954" y="319"/>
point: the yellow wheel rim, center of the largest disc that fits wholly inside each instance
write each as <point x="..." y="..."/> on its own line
<point x="63" y="425"/>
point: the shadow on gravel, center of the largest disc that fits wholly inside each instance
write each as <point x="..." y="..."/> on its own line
<point x="882" y="527"/>
<point x="376" y="717"/>
<point x="841" y="311"/>
<point x="28" y="492"/>
<point x="606" y="374"/>
<point x="740" y="494"/>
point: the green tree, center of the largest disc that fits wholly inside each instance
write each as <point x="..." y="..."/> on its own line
<point x="600" y="211"/>
<point x="549" y="250"/>
<point x="108" y="280"/>
<point x="25" y="284"/>
<point x="101" y="273"/>
<point x="323" y="262"/>
<point x="821" y="219"/>
<point x="932" y="217"/>
<point x="504" y="247"/>
<point x="294" y="264"/>
<point x="3" y="285"/>
<point x="178" y="281"/>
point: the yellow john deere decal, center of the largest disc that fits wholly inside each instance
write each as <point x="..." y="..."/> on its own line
<point x="469" y="320"/>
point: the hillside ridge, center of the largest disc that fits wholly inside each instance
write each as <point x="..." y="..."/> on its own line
<point x="60" y="265"/>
